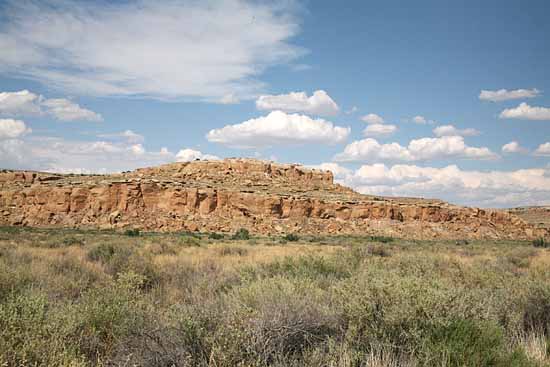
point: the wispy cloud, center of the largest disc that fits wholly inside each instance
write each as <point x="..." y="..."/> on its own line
<point x="158" y="49"/>
<point x="505" y="95"/>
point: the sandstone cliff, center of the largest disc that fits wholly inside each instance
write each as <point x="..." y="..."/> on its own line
<point x="225" y="195"/>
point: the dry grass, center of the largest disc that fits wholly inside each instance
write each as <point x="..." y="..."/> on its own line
<point x="78" y="298"/>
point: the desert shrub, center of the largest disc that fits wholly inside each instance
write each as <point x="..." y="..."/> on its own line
<point x="306" y="267"/>
<point x="241" y="234"/>
<point x="126" y="260"/>
<point x="162" y="248"/>
<point x="34" y="332"/>
<point x="134" y="232"/>
<point x="274" y="319"/>
<point x="382" y="239"/>
<point x="73" y="241"/>
<point x="378" y="250"/>
<point x="291" y="237"/>
<point x="108" y="315"/>
<point x="541" y="242"/>
<point x="191" y="234"/>
<point x="190" y="241"/>
<point x="122" y="259"/>
<point x="519" y="257"/>
<point x="468" y="343"/>
<point x="102" y="252"/>
<point x="462" y="242"/>
<point x="232" y="251"/>
<point x="536" y="309"/>
<point x="216" y="236"/>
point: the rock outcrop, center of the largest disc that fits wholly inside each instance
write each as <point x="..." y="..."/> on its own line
<point x="222" y="196"/>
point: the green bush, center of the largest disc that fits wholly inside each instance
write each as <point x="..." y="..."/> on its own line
<point x="540" y="242"/>
<point x="132" y="232"/>
<point x="382" y="239"/>
<point x="103" y="252"/>
<point x="241" y="234"/>
<point x="469" y="343"/>
<point x="35" y="333"/>
<point x="291" y="237"/>
<point x="216" y="236"/>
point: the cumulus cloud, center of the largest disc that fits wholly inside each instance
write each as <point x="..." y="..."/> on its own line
<point x="320" y="103"/>
<point x="505" y="95"/>
<point x="513" y="147"/>
<point x="61" y="155"/>
<point x="543" y="150"/>
<point x="341" y="173"/>
<point x="368" y="150"/>
<point x="10" y="129"/>
<point x="19" y="103"/>
<point x="146" y="48"/>
<point x="450" y="130"/>
<point x="379" y="130"/>
<point x="279" y="128"/>
<point x="372" y="118"/>
<point x="188" y="155"/>
<point x="25" y="103"/>
<point x="476" y="188"/>
<point x="526" y="112"/>
<point x="421" y="120"/>
<point x="123" y="152"/>
<point x="66" y="110"/>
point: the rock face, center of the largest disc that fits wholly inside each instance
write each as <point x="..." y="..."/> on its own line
<point x="225" y="195"/>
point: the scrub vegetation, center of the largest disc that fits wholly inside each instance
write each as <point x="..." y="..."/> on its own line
<point x="103" y="298"/>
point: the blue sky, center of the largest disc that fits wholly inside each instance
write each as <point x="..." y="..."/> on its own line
<point x="110" y="86"/>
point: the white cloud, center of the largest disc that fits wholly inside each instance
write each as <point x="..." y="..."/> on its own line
<point x="146" y="48"/>
<point x="137" y="149"/>
<point x="486" y="189"/>
<point x="421" y="120"/>
<point x="369" y="150"/>
<point x="320" y="103"/>
<point x="127" y="135"/>
<point x="19" y="103"/>
<point x="352" y="110"/>
<point x="513" y="147"/>
<point x="279" y="128"/>
<point x="60" y="155"/>
<point x="188" y="155"/>
<point x="373" y="118"/>
<point x="379" y="130"/>
<point x="25" y="103"/>
<point x="543" y="150"/>
<point x="78" y="156"/>
<point x="505" y="95"/>
<point x="526" y="112"/>
<point x="66" y="110"/>
<point x="341" y="174"/>
<point x="450" y="130"/>
<point x="10" y="129"/>
<point x="229" y="99"/>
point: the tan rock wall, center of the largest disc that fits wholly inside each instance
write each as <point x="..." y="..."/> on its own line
<point x="157" y="206"/>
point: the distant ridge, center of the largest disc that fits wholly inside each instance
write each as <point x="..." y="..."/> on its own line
<point x="224" y="195"/>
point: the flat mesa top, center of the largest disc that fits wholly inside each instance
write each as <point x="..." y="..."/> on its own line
<point x="234" y="174"/>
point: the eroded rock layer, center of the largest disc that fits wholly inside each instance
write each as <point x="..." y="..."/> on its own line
<point x="225" y="195"/>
